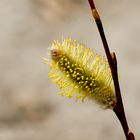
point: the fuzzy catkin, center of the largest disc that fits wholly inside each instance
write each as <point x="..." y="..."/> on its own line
<point x="81" y="73"/>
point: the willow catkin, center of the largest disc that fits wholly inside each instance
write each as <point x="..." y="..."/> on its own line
<point x="81" y="73"/>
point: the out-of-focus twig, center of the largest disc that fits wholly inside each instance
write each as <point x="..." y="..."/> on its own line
<point x="118" y="109"/>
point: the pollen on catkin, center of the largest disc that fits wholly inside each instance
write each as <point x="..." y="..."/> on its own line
<point x="81" y="73"/>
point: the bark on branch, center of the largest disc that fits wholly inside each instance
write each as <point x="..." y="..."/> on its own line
<point x="111" y="57"/>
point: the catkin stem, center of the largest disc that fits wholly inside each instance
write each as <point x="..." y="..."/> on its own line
<point x="118" y="109"/>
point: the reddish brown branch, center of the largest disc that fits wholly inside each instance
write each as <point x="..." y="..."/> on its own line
<point x="118" y="109"/>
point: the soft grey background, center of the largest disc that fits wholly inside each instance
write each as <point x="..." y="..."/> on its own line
<point x="30" y="109"/>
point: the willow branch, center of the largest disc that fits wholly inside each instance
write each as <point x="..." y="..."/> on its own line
<point x="118" y="109"/>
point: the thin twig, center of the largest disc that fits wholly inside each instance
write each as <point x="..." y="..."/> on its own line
<point x="118" y="109"/>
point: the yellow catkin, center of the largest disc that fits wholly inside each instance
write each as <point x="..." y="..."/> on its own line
<point x="81" y="73"/>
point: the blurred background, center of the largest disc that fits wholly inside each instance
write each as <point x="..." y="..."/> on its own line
<point x="30" y="109"/>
